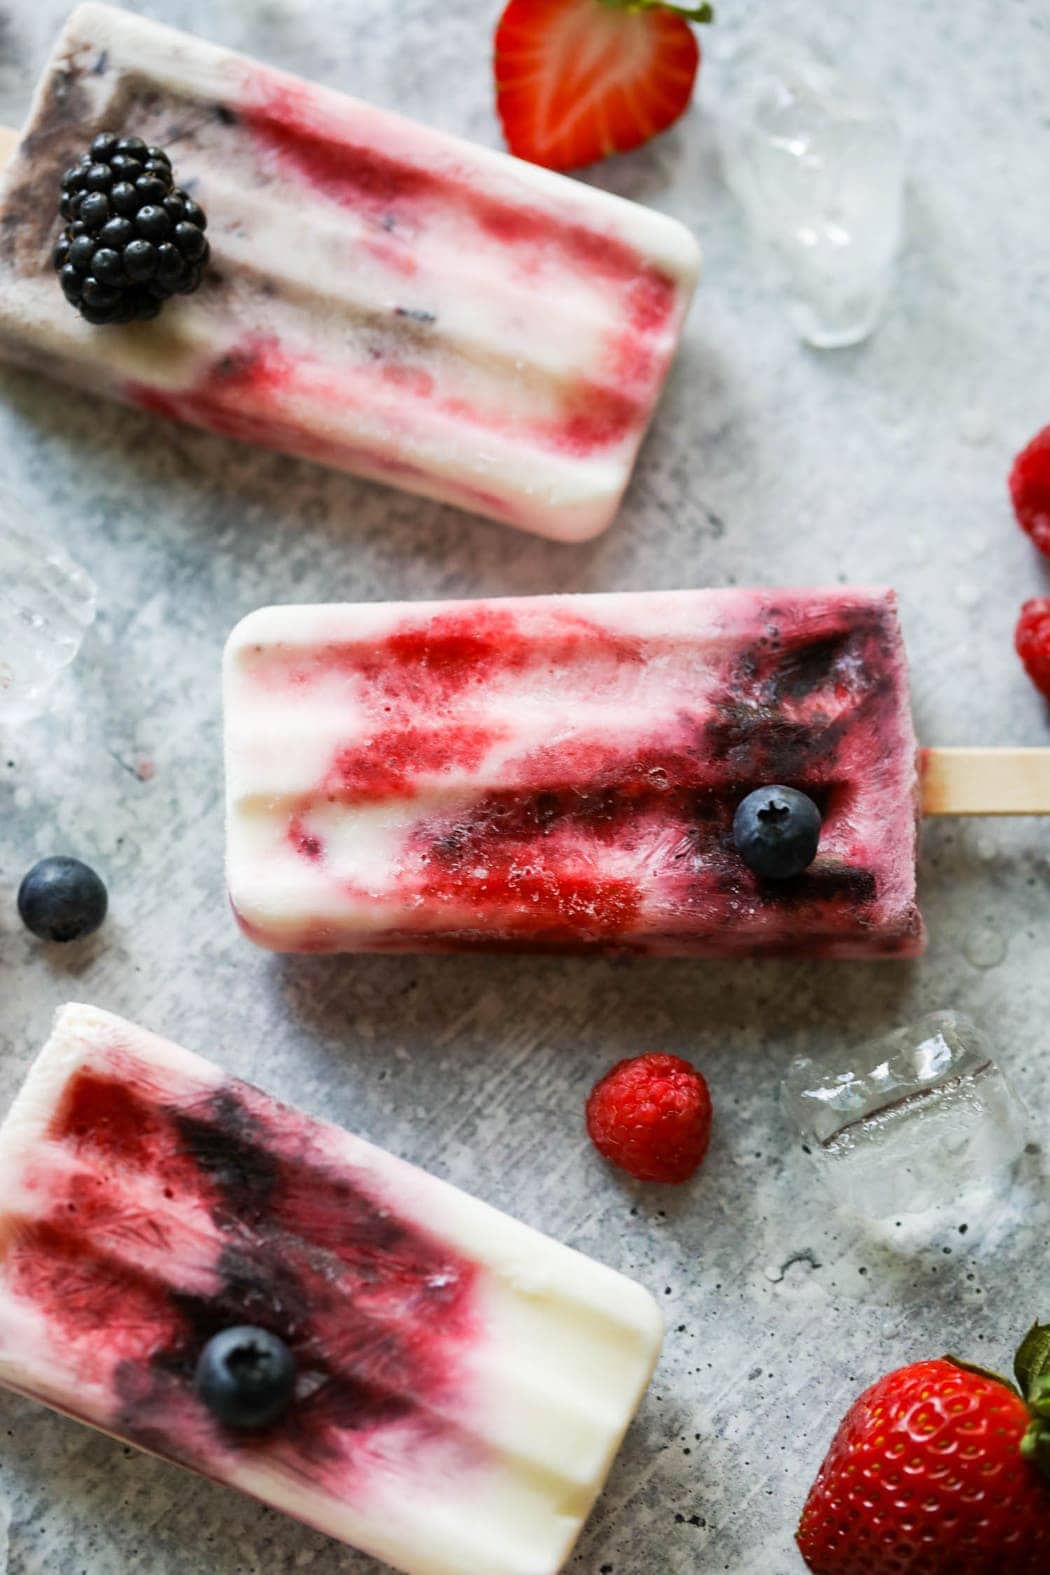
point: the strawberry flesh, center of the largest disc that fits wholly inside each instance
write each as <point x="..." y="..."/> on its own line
<point x="577" y="80"/>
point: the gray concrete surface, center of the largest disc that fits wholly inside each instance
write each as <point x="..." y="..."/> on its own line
<point x="768" y="463"/>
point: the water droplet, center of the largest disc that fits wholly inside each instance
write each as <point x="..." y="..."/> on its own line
<point x="985" y="947"/>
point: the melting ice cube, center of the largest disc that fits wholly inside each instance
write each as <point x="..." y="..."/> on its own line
<point x="819" y="169"/>
<point x="47" y="605"/>
<point x="916" y="1119"/>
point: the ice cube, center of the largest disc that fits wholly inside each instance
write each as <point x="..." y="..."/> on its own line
<point x="819" y="168"/>
<point x="913" y="1121"/>
<point x="47" y="605"/>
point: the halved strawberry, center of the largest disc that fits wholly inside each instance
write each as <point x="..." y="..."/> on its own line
<point x="579" y="79"/>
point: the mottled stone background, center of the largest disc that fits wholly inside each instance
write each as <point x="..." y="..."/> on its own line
<point x="768" y="463"/>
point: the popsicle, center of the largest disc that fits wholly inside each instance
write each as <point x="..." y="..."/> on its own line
<point x="564" y="773"/>
<point x="461" y="1382"/>
<point x="381" y="297"/>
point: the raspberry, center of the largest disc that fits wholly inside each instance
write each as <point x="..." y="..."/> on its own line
<point x="1033" y="640"/>
<point x="1030" y="489"/>
<point x="652" y="1117"/>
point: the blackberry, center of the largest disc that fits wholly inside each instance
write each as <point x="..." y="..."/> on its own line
<point x="132" y="237"/>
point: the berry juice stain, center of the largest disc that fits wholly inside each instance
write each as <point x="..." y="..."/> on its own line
<point x="400" y="199"/>
<point x="378" y="1312"/>
<point x="352" y="170"/>
<point x="610" y="836"/>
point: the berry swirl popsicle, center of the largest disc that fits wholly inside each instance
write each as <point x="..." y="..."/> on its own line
<point x="715" y="773"/>
<point x="563" y="773"/>
<point x="446" y="1387"/>
<point x="379" y="297"/>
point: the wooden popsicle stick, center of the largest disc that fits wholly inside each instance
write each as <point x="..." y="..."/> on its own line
<point x="8" y="142"/>
<point x="985" y="781"/>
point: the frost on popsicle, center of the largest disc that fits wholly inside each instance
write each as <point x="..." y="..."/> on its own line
<point x="819" y="169"/>
<point x="911" y="1121"/>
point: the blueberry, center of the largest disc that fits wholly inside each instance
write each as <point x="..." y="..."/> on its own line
<point x="776" y="831"/>
<point x="62" y="899"/>
<point x="246" y="1377"/>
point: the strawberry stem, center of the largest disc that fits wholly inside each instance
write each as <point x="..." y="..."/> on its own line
<point x="982" y="1372"/>
<point x="1032" y="1367"/>
<point x="691" y="13"/>
<point x="1032" y="1361"/>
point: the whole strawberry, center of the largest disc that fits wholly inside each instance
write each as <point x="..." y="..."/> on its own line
<point x="938" y="1469"/>
<point x="579" y="79"/>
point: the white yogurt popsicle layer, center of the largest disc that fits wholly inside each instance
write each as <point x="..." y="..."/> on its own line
<point x="462" y="1381"/>
<point x="381" y="298"/>
<point x="562" y="773"/>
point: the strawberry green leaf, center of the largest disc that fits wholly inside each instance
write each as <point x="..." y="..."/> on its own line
<point x="692" y="13"/>
<point x="982" y="1372"/>
<point x="1032" y="1366"/>
<point x="1032" y="1361"/>
<point x="1035" y="1445"/>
